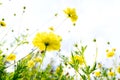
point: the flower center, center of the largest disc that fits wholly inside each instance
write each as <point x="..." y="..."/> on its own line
<point x="69" y="15"/>
<point x="46" y="43"/>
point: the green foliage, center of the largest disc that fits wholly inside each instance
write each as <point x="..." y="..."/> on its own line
<point x="21" y="70"/>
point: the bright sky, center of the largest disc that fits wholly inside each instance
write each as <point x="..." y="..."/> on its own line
<point x="98" y="19"/>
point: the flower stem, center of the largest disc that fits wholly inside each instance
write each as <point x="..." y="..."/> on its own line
<point x="43" y="55"/>
<point x="96" y="53"/>
<point x="88" y="76"/>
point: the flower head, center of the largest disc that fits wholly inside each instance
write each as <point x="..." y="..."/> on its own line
<point x="111" y="73"/>
<point x="110" y="53"/>
<point x="47" y="40"/>
<point x="11" y="57"/>
<point x="118" y="69"/>
<point x="97" y="73"/>
<point x="58" y="69"/>
<point x="71" y="13"/>
<point x="31" y="63"/>
<point x="78" y="59"/>
<point x="2" y="23"/>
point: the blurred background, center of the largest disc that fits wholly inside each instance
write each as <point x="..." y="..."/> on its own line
<point x="98" y="19"/>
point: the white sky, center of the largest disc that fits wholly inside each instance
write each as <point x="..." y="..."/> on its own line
<point x="98" y="19"/>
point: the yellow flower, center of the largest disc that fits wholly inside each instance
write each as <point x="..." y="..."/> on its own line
<point x="58" y="69"/>
<point x="11" y="57"/>
<point x="118" y="69"/>
<point x="48" y="41"/>
<point x="79" y="59"/>
<point x="31" y="63"/>
<point x="71" y="13"/>
<point x="110" y="54"/>
<point x="37" y="59"/>
<point x="97" y="73"/>
<point x="2" y="23"/>
<point x="111" y="73"/>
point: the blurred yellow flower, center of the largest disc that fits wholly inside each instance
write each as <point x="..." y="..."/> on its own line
<point x="97" y="73"/>
<point x="47" y="40"/>
<point x="71" y="13"/>
<point x="118" y="69"/>
<point x="111" y="74"/>
<point x="58" y="69"/>
<point x="79" y="59"/>
<point x="37" y="59"/>
<point x="2" y="23"/>
<point x="110" y="53"/>
<point x="11" y="57"/>
<point x="31" y="63"/>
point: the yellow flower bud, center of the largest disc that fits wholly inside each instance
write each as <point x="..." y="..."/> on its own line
<point x="11" y="57"/>
<point x="2" y="23"/>
<point x="118" y="69"/>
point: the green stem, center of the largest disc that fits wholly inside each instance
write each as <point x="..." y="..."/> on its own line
<point x="60" y="76"/>
<point x="43" y="55"/>
<point x="96" y="53"/>
<point x="88" y="76"/>
<point x="84" y="61"/>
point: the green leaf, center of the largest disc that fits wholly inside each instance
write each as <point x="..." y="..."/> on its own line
<point x="93" y="68"/>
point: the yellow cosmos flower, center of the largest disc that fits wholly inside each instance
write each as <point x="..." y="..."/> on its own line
<point x="110" y="53"/>
<point x="111" y="73"/>
<point x="97" y="73"/>
<point x="118" y="69"/>
<point x="77" y="58"/>
<point x="71" y="13"/>
<point x="47" y="40"/>
<point x="31" y="63"/>
<point x="2" y="23"/>
<point x="11" y="57"/>
<point x="58" y="69"/>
